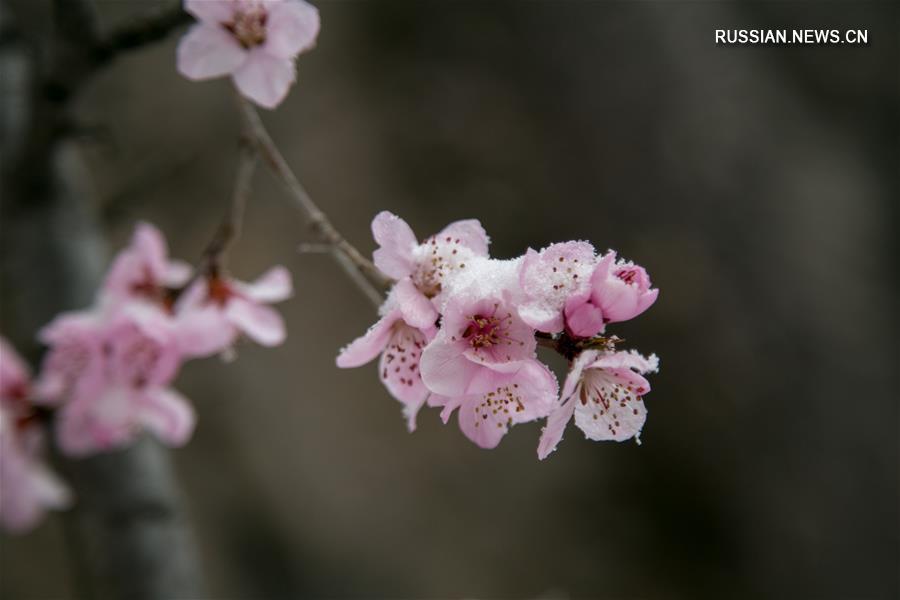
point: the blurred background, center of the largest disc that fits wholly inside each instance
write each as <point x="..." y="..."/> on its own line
<point x="758" y="185"/>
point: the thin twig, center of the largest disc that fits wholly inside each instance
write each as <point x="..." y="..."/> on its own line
<point x="230" y="229"/>
<point x="360" y="270"/>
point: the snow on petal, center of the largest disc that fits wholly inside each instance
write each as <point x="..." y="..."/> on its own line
<point x="549" y="277"/>
<point x="621" y="289"/>
<point x="469" y="233"/>
<point x="609" y="404"/>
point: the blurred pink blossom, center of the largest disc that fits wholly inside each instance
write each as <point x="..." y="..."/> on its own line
<point x="143" y="270"/>
<point x="218" y="309"/>
<point x="15" y="377"/>
<point x="109" y="374"/>
<point x="27" y="487"/>
<point x="254" y="41"/>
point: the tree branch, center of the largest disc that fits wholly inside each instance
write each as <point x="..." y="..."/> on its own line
<point x="150" y="29"/>
<point x="129" y="533"/>
<point x="360" y="270"/>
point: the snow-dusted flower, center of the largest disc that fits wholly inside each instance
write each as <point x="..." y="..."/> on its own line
<point x="110" y="377"/>
<point x="27" y="487"/>
<point x="604" y="390"/>
<point x="619" y="291"/>
<point x="481" y="334"/>
<point x="218" y="309"/>
<point x="143" y="271"/>
<point x="254" y="41"/>
<point x="399" y="337"/>
<point x="551" y="276"/>
<point x="432" y="265"/>
<point x="499" y="400"/>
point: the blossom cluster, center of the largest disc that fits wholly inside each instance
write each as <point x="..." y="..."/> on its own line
<point x="108" y="370"/>
<point x="459" y="330"/>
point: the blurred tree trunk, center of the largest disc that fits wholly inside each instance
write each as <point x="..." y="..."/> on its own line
<point x="129" y="534"/>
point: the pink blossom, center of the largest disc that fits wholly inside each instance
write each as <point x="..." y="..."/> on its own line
<point x="431" y="265"/>
<point x="619" y="291"/>
<point x="15" y="377"/>
<point x="110" y="375"/>
<point x="216" y="309"/>
<point x="27" y="486"/>
<point x="398" y="337"/>
<point x="604" y="391"/>
<point x="142" y="271"/>
<point x="480" y="334"/>
<point x="254" y="41"/>
<point x="549" y="277"/>
<point x="502" y="399"/>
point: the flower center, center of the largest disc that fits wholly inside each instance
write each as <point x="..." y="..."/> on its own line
<point x="249" y="27"/>
<point x="483" y="332"/>
<point x="627" y="275"/>
<point x="218" y="291"/>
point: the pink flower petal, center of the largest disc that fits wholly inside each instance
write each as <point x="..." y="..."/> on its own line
<point x="470" y="234"/>
<point x="213" y="12"/>
<point x="291" y="28"/>
<point x="417" y="310"/>
<point x="609" y="405"/>
<point x="370" y="345"/>
<point x="445" y="368"/>
<point x="176" y="274"/>
<point x="394" y="258"/>
<point x="203" y="331"/>
<point x="524" y="396"/>
<point x="272" y="286"/>
<point x="399" y="365"/>
<point x="265" y="79"/>
<point x="168" y="415"/>
<point x="208" y="51"/>
<point x="549" y="278"/>
<point x="552" y="432"/>
<point x="583" y="319"/>
<point x="260" y="323"/>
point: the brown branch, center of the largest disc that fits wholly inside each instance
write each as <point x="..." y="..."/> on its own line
<point x="360" y="269"/>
